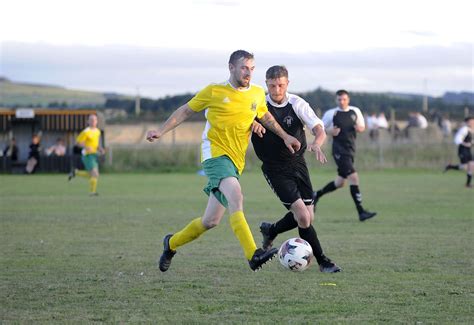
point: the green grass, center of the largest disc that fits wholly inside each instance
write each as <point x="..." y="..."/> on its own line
<point x="66" y="257"/>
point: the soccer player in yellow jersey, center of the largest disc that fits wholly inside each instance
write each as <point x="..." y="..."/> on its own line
<point x="89" y="141"/>
<point x="231" y="108"/>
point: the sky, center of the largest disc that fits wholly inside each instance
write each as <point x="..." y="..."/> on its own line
<point x="170" y="47"/>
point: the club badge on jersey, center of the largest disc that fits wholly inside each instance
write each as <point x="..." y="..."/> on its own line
<point x="254" y="106"/>
<point x="288" y="120"/>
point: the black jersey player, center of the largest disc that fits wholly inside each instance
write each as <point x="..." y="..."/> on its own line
<point x="343" y="123"/>
<point x="464" y="139"/>
<point x="287" y="173"/>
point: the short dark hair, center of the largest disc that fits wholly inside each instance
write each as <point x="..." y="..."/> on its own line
<point x="237" y="55"/>
<point x="341" y="92"/>
<point x="467" y="119"/>
<point x="277" y="71"/>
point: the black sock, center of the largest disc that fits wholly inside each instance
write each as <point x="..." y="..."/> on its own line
<point x="309" y="234"/>
<point x="469" y="178"/>
<point x="357" y="197"/>
<point x="456" y="167"/>
<point x="331" y="186"/>
<point x="286" y="223"/>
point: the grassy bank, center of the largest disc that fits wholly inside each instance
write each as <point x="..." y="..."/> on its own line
<point x="185" y="157"/>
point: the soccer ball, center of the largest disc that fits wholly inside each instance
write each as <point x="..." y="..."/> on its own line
<point x="295" y="254"/>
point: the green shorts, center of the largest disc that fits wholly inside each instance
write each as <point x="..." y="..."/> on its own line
<point x="90" y="161"/>
<point x="216" y="170"/>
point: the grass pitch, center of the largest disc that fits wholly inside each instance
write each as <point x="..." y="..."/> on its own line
<point x="66" y="257"/>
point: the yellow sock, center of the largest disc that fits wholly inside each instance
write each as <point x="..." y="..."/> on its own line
<point x="242" y="232"/>
<point x="189" y="233"/>
<point x="93" y="184"/>
<point x="82" y="173"/>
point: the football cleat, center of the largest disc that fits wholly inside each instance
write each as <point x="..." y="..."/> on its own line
<point x="165" y="259"/>
<point x="260" y="257"/>
<point x="267" y="238"/>
<point x="71" y="175"/>
<point x="328" y="266"/>
<point x="364" y="215"/>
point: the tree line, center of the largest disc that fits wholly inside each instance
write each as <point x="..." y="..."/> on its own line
<point x="320" y="99"/>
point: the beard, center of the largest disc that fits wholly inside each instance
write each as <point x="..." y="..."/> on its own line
<point x="243" y="82"/>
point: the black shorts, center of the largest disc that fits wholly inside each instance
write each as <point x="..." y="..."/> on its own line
<point x="345" y="164"/>
<point x="464" y="154"/>
<point x="290" y="184"/>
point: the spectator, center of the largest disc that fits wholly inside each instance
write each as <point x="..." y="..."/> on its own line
<point x="422" y="122"/>
<point x="436" y="118"/>
<point x="446" y="127"/>
<point x="372" y="126"/>
<point x="382" y="122"/>
<point x="11" y="151"/>
<point x="413" y="121"/>
<point x="58" y="150"/>
<point x="34" y="154"/>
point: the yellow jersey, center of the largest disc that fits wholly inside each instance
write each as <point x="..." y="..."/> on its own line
<point x="90" y="138"/>
<point x="229" y="113"/>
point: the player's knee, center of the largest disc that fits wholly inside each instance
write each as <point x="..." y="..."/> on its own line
<point x="353" y="179"/>
<point x="340" y="183"/>
<point x="236" y="200"/>
<point x="304" y="218"/>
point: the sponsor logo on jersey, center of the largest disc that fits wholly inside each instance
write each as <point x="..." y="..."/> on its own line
<point x="226" y="100"/>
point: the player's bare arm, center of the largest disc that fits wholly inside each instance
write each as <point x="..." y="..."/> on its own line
<point x="319" y="138"/>
<point x="258" y="129"/>
<point x="360" y="128"/>
<point x="178" y="117"/>
<point x="334" y="131"/>
<point x="270" y="123"/>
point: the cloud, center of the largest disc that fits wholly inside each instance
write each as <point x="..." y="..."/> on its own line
<point x="420" y="33"/>
<point x="161" y="72"/>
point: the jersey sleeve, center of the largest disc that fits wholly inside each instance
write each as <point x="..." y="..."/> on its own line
<point x="360" y="118"/>
<point x="307" y="115"/>
<point x="201" y="100"/>
<point x="460" y="135"/>
<point x="327" y="119"/>
<point x="262" y="108"/>
<point x="81" y="137"/>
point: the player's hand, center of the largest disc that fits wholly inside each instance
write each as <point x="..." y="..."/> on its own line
<point x="152" y="135"/>
<point x="335" y="131"/>
<point x="467" y="144"/>
<point x="88" y="149"/>
<point x="102" y="151"/>
<point x="320" y="156"/>
<point x="292" y="144"/>
<point x="258" y="129"/>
